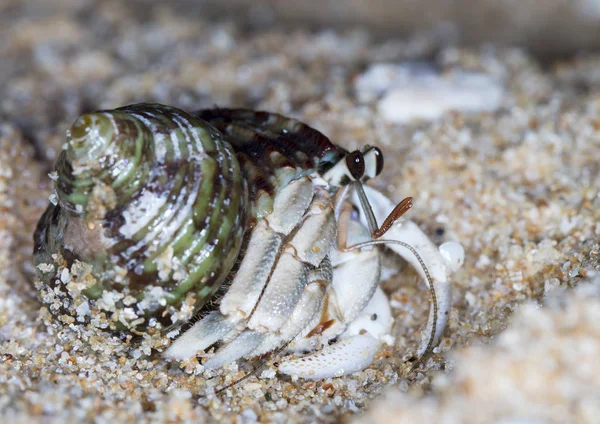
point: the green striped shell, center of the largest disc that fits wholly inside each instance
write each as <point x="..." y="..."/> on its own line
<point x="147" y="220"/>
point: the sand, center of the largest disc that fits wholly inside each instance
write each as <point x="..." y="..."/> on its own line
<point x="499" y="152"/>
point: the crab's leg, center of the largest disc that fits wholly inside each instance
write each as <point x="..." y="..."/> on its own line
<point x="291" y="284"/>
<point x="210" y="329"/>
<point x="252" y="343"/>
<point x="439" y="261"/>
<point x="356" y="275"/>
<point x="356" y="348"/>
<point x="302" y="250"/>
<point x="306" y="249"/>
<point x="244" y="343"/>
<point x="354" y="281"/>
<point x="309" y="306"/>
<point x="263" y="252"/>
<point x="264" y="248"/>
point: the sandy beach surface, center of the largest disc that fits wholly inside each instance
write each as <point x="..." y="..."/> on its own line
<point x="500" y="152"/>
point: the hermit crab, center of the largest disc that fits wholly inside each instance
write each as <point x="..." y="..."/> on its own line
<point x="156" y="211"/>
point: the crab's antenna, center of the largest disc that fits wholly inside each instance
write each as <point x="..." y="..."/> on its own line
<point x="429" y="281"/>
<point x="400" y="209"/>
<point x="376" y="231"/>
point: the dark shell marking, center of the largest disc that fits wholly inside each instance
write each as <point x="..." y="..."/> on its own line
<point x="272" y="149"/>
<point x="148" y="184"/>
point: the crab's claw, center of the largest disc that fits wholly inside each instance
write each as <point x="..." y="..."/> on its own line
<point x="440" y="262"/>
<point x="356" y="348"/>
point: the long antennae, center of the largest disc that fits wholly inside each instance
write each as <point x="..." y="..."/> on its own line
<point x="429" y="281"/>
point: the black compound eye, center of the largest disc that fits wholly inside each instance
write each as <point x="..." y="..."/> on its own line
<point x="356" y="164"/>
<point x="379" y="159"/>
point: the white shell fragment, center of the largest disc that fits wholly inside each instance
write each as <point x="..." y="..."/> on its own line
<point x="417" y="91"/>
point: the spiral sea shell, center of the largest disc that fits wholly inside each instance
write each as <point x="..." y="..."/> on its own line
<point x="152" y="204"/>
<point x="154" y="200"/>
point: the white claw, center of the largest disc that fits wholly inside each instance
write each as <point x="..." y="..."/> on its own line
<point x="376" y="318"/>
<point x="356" y="348"/>
<point x="439" y="262"/>
<point x="344" y="357"/>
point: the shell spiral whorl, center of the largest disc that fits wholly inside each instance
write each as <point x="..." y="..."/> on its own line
<point x="154" y="200"/>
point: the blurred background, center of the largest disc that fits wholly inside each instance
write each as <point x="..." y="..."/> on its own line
<point x="548" y="28"/>
<point x="62" y="57"/>
<point x="487" y="111"/>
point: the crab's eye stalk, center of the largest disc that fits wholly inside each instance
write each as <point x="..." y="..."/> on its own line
<point x="373" y="162"/>
<point x="378" y="160"/>
<point x="349" y="169"/>
<point x="355" y="162"/>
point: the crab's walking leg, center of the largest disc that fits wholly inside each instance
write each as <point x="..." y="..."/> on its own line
<point x="285" y="266"/>
<point x="440" y="262"/>
<point x="306" y="310"/>
<point x="252" y="343"/>
<point x="210" y="329"/>
<point x="356" y="275"/>
<point x="356" y="348"/>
